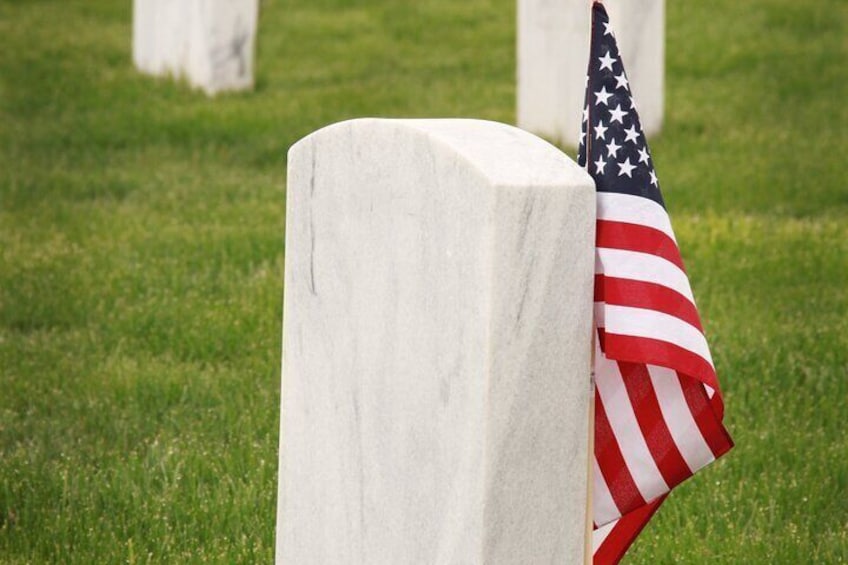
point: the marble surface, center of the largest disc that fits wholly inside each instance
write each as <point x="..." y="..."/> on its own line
<point x="210" y="43"/>
<point x="436" y="349"/>
<point x="553" y="54"/>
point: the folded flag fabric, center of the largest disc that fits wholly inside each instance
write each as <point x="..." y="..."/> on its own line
<point x="658" y="406"/>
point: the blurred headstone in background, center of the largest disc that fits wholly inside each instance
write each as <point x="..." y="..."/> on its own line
<point x="210" y="43"/>
<point x="553" y="47"/>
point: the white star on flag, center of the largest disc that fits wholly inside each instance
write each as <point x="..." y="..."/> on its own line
<point x="625" y="168"/>
<point x="602" y="95"/>
<point x="600" y="164"/>
<point x="600" y="130"/>
<point x="617" y="114"/>
<point x="606" y="62"/>
<point x="613" y="148"/>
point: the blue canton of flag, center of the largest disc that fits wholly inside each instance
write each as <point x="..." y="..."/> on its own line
<point x="621" y="161"/>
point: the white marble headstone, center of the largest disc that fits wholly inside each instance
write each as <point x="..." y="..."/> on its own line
<point x="208" y="42"/>
<point x="553" y="55"/>
<point x="436" y="351"/>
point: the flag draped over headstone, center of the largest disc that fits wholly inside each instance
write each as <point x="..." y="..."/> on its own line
<point x="658" y="407"/>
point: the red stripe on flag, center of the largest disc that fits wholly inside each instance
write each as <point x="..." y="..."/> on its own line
<point x="625" y="531"/>
<point x="647" y="295"/>
<point x="636" y="237"/>
<point x="664" y="451"/>
<point x="714" y="432"/>
<point x="622" y="487"/>
<point x="657" y="352"/>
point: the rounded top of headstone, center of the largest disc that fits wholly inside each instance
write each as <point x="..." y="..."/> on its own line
<point x="504" y="155"/>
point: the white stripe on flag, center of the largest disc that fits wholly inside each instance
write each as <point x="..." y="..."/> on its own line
<point x="616" y="207"/>
<point x="599" y="535"/>
<point x="681" y="425"/>
<point x="599" y="314"/>
<point x="603" y="505"/>
<point x="640" y="322"/>
<point x="635" y="265"/>
<point x="625" y="427"/>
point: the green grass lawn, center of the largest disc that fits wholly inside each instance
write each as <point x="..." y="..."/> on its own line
<point x="141" y="264"/>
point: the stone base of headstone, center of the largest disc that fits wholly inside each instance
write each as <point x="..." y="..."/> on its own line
<point x="553" y="56"/>
<point x="210" y="43"/>
<point x="436" y="351"/>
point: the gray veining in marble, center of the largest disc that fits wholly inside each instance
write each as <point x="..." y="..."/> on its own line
<point x="436" y="348"/>
<point x="208" y="42"/>
<point x="553" y="55"/>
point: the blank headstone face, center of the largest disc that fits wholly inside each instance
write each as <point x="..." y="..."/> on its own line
<point x="553" y="56"/>
<point x="209" y="42"/>
<point x="437" y="335"/>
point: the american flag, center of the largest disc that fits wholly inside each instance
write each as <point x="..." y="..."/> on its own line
<point x="658" y="407"/>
